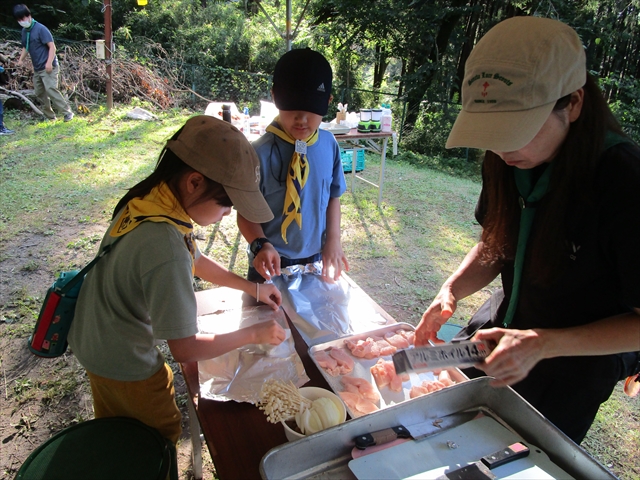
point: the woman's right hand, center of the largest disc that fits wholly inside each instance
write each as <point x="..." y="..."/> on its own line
<point x="440" y="310"/>
<point x="269" y="332"/>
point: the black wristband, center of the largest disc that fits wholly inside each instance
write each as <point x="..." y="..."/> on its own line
<point x="257" y="245"/>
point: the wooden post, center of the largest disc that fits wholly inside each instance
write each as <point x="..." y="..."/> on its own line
<point x="109" y="45"/>
<point x="288" y="26"/>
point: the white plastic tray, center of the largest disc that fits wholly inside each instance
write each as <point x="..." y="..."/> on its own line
<point x="337" y="129"/>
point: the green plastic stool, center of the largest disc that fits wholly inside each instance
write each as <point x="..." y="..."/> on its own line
<point x="103" y="449"/>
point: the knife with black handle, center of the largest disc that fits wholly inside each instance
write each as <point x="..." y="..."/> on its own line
<point x="481" y="470"/>
<point x="381" y="436"/>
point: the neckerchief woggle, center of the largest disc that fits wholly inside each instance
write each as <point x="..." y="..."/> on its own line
<point x="530" y="195"/>
<point x="297" y="175"/>
<point x="159" y="205"/>
<point x="28" y="29"/>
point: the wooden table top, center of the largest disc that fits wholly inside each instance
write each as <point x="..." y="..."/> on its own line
<point x="238" y="434"/>
<point x="354" y="134"/>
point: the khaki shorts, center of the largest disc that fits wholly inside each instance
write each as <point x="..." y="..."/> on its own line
<point x="152" y="401"/>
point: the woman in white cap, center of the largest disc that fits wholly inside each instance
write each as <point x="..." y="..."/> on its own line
<point x="141" y="293"/>
<point x="560" y="216"/>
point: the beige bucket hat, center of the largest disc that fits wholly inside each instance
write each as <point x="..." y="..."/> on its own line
<point x="221" y="152"/>
<point x="513" y="78"/>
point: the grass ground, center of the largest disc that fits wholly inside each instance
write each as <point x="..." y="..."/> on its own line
<point x="59" y="182"/>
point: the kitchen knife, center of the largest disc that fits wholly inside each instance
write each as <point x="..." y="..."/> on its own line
<point x="481" y="470"/>
<point x="417" y="431"/>
<point x="456" y="354"/>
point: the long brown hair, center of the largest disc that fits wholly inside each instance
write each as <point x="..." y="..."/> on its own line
<point x="170" y="169"/>
<point x="569" y="195"/>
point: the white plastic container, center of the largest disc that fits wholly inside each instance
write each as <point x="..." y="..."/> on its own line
<point x="385" y="120"/>
<point x="313" y="393"/>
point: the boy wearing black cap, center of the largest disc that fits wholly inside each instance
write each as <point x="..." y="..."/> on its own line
<point x="302" y="177"/>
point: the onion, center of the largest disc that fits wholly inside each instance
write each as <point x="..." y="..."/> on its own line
<point x="322" y="414"/>
<point x="327" y="411"/>
<point x="313" y="424"/>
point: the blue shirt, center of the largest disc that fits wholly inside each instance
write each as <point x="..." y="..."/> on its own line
<point x="38" y="48"/>
<point x="325" y="181"/>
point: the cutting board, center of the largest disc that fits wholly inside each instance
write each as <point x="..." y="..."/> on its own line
<point x="433" y="456"/>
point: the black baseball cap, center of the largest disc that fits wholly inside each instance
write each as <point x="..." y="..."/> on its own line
<point x="302" y="81"/>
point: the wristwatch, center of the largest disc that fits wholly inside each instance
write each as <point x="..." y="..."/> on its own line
<point x="257" y="245"/>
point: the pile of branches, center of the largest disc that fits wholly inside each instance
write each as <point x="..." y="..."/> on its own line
<point x="83" y="77"/>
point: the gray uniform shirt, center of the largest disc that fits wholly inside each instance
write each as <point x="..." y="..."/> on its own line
<point x="138" y="294"/>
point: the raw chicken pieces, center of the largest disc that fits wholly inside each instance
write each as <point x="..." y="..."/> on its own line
<point x="371" y="347"/>
<point x="327" y="362"/>
<point x="360" y="386"/>
<point x="359" y="395"/>
<point x="397" y="340"/>
<point x="444" y="380"/>
<point x="358" y="404"/>
<point x="345" y="362"/>
<point x="335" y="361"/>
<point x="384" y="373"/>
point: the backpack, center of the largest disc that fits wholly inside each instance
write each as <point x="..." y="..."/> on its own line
<point x="49" y="338"/>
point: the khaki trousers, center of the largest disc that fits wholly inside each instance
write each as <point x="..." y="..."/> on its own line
<point x="152" y="401"/>
<point x="46" y="89"/>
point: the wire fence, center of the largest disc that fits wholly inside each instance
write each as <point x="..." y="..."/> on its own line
<point x="197" y="83"/>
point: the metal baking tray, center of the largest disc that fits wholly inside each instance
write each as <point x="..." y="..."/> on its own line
<point x="327" y="454"/>
<point x="362" y="368"/>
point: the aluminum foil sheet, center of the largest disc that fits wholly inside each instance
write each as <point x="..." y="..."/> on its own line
<point x="239" y="374"/>
<point x="323" y="311"/>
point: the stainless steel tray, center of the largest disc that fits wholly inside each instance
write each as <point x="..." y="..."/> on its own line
<point x="327" y="454"/>
<point x="362" y="368"/>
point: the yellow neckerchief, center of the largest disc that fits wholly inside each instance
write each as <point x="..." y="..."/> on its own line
<point x="159" y="205"/>
<point x="297" y="176"/>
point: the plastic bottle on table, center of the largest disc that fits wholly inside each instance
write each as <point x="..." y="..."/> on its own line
<point x="246" y="125"/>
<point x="226" y="113"/>
<point x="386" y="119"/>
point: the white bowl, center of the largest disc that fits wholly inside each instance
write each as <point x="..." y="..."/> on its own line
<point x="313" y="393"/>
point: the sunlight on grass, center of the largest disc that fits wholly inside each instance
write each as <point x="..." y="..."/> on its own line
<point x="224" y="243"/>
<point x="69" y="163"/>
<point x="60" y="181"/>
<point x="611" y="423"/>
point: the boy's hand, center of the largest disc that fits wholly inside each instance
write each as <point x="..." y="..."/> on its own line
<point x="267" y="262"/>
<point x="332" y="259"/>
<point x="270" y="295"/>
<point x="269" y="332"/>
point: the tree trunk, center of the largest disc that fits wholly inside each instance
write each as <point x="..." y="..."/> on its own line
<point x="416" y="94"/>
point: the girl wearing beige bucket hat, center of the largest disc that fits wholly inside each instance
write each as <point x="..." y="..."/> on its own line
<point x="559" y="211"/>
<point x="141" y="293"/>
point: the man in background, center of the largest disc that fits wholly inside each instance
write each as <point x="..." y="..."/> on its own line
<point x="3" y="130"/>
<point x="38" y="42"/>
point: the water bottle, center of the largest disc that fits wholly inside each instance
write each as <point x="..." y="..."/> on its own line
<point x="385" y="120"/>
<point x="246" y="126"/>
<point x="226" y="113"/>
